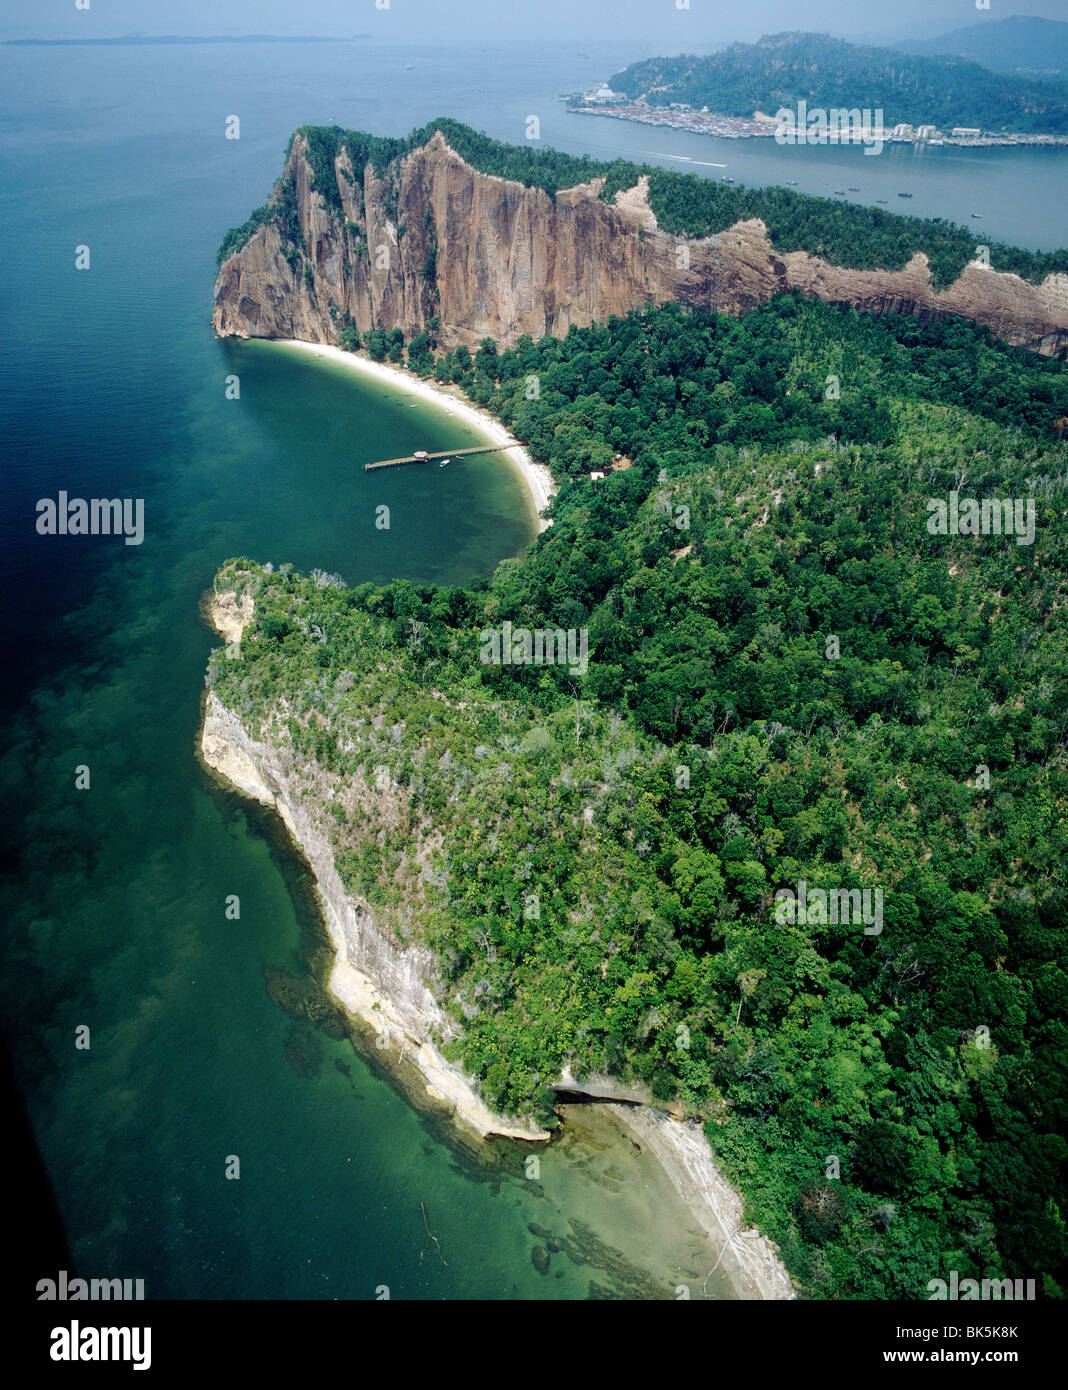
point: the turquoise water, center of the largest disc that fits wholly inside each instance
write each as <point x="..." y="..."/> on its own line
<point x="114" y="896"/>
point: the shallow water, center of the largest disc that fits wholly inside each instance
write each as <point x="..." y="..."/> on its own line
<point x="114" y="896"/>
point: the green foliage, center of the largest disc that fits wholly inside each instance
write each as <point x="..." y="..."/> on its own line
<point x="842" y="233"/>
<point x="420" y="354"/>
<point x="237" y="237"/>
<point x="376" y="344"/>
<point x="593" y="859"/>
<point x="783" y="69"/>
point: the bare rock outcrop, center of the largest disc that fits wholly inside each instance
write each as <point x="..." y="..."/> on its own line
<point x="432" y="237"/>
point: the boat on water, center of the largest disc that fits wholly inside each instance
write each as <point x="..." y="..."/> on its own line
<point x="853" y="190"/>
<point x="904" y="195"/>
<point x="839" y="192"/>
<point x="727" y="178"/>
<point x="443" y="463"/>
<point x="881" y="200"/>
<point x="978" y="216"/>
<point x="792" y="183"/>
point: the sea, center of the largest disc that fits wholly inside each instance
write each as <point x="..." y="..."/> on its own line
<point x="114" y="893"/>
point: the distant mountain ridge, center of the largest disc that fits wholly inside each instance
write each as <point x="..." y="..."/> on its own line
<point x="1021" y="43"/>
<point x="782" y="69"/>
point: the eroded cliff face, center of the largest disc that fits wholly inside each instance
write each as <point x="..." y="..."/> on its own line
<point x="489" y="257"/>
<point x="384" y="983"/>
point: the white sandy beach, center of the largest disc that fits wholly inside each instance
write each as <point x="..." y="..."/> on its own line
<point x="536" y="476"/>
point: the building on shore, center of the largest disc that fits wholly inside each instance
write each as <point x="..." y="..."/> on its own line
<point x="601" y="96"/>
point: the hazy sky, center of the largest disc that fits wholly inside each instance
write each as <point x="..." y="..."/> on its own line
<point x="659" y="23"/>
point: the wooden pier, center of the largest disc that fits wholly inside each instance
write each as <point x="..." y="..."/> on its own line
<point x="421" y="456"/>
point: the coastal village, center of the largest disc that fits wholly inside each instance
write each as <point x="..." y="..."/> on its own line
<point x="602" y="101"/>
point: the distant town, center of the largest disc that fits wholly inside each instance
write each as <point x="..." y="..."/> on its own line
<point x="602" y="101"/>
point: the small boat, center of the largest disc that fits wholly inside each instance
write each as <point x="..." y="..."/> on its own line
<point x="904" y="195"/>
<point x="727" y="178"/>
<point x="408" y="67"/>
<point x="792" y="183"/>
<point x="881" y="200"/>
<point x="443" y="463"/>
<point x="840" y="192"/>
<point x="978" y="216"/>
<point x="854" y="190"/>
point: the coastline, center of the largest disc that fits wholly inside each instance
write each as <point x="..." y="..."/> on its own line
<point x="536" y="476"/>
<point x="744" y="128"/>
<point x="398" y="1022"/>
<point x="747" y="1258"/>
<point x="750" y="1258"/>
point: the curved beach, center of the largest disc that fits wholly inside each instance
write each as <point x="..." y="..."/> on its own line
<point x="749" y="1260"/>
<point x="537" y="477"/>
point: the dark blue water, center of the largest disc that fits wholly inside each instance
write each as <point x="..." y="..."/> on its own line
<point x="113" y="896"/>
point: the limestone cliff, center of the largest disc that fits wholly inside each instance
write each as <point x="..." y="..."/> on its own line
<point x="430" y="236"/>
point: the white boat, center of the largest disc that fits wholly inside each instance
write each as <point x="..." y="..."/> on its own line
<point x="443" y="463"/>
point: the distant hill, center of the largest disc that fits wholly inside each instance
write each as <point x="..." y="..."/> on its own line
<point x="1019" y="44"/>
<point x="782" y="69"/>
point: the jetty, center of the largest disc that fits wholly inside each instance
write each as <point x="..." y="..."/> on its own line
<point x="421" y="455"/>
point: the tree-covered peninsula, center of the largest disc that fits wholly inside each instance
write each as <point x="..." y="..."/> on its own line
<point x="783" y="69"/>
<point x="792" y="679"/>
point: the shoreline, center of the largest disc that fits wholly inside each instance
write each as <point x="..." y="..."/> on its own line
<point x="748" y="1258"/>
<point x="699" y="123"/>
<point x="538" y="479"/>
<point x="244" y="764"/>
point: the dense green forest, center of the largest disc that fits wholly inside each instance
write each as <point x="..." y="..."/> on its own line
<point x="790" y="679"/>
<point x="844" y="234"/>
<point x="782" y="69"/>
